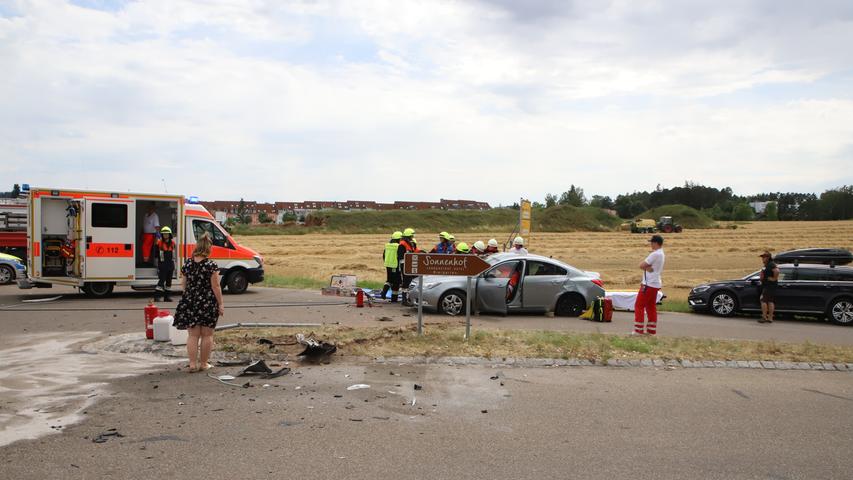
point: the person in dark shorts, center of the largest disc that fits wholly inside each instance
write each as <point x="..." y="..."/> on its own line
<point x="769" y="281"/>
<point x="201" y="303"/>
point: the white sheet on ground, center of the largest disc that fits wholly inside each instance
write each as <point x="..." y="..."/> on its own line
<point x="626" y="300"/>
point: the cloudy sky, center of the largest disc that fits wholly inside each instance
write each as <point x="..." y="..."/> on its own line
<point x="384" y="100"/>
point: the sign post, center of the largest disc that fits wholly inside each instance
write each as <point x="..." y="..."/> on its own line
<point x="421" y="264"/>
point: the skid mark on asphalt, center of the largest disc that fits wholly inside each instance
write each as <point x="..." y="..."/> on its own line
<point x="828" y="394"/>
<point x="741" y="394"/>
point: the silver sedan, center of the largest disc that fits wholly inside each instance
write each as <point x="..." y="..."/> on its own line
<point x="529" y="283"/>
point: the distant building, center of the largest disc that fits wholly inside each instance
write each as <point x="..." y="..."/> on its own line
<point x="222" y="210"/>
<point x="759" y="207"/>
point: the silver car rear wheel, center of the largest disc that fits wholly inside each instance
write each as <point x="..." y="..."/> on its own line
<point x="452" y="303"/>
<point x="723" y="304"/>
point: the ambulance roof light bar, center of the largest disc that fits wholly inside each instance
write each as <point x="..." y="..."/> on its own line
<point x="192" y="199"/>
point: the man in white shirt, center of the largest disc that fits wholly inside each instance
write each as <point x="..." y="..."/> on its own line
<point x="518" y="247"/>
<point x="150" y="229"/>
<point x="647" y="297"/>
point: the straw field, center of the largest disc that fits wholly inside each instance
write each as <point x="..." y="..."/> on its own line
<point x="693" y="257"/>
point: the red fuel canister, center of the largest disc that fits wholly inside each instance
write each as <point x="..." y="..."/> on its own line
<point x="151" y="312"/>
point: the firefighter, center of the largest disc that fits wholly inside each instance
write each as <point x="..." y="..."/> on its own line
<point x="407" y="245"/>
<point x="443" y="245"/>
<point x="462" y="248"/>
<point x="452" y="241"/>
<point x="518" y="246"/>
<point x="492" y="247"/>
<point x="165" y="263"/>
<point x="479" y="248"/>
<point x="392" y="267"/>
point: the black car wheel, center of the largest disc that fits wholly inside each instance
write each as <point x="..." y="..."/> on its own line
<point x="841" y="312"/>
<point x="452" y="303"/>
<point x="570" y="305"/>
<point x="723" y="304"/>
<point x="98" y="289"/>
<point x="6" y="274"/>
<point x="237" y="282"/>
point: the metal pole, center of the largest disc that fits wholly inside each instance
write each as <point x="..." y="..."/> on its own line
<point x="468" y="310"/>
<point x="420" y="305"/>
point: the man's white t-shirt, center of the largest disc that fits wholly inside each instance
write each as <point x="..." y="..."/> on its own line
<point x="656" y="259"/>
<point x="151" y="223"/>
<point x="518" y="251"/>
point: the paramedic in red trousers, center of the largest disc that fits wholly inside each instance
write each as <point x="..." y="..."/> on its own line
<point x="150" y="229"/>
<point x="647" y="297"/>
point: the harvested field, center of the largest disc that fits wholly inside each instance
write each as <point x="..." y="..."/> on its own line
<point x="693" y="257"/>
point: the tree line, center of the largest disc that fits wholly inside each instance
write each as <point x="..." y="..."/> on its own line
<point x="717" y="203"/>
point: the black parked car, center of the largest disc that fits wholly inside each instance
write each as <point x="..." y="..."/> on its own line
<point x="806" y="289"/>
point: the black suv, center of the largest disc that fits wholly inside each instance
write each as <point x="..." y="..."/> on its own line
<point x="807" y="289"/>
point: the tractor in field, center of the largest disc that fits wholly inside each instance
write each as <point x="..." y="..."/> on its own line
<point x="666" y="225"/>
<point x="640" y="225"/>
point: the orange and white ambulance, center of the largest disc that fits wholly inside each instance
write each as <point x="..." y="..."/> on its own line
<point x="93" y="240"/>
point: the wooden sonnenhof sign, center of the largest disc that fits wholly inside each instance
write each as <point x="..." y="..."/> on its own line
<point x="444" y="264"/>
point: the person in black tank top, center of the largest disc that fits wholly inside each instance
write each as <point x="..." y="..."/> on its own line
<point x="769" y="280"/>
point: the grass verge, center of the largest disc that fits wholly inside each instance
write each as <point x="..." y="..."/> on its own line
<point x="446" y="339"/>
<point x="680" y="306"/>
<point x="308" y="283"/>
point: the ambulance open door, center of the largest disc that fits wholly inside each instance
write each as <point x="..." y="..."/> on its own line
<point x="109" y="239"/>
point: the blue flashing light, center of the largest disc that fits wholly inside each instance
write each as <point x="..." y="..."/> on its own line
<point x="192" y="199"/>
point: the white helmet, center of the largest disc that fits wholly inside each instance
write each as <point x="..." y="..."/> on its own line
<point x="479" y="245"/>
<point x="493" y="243"/>
<point x="518" y="241"/>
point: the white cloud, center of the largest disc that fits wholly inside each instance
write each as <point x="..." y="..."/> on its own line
<point x="255" y="99"/>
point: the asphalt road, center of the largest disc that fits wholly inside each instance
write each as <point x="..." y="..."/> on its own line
<point x="122" y="313"/>
<point x="571" y="422"/>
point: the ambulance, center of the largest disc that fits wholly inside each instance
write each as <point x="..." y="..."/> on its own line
<point x="93" y="241"/>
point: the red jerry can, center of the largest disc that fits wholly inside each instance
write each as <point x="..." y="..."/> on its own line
<point x="151" y="312"/>
<point x="359" y="298"/>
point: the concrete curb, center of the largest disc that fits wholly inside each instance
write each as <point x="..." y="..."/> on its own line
<point x="133" y="343"/>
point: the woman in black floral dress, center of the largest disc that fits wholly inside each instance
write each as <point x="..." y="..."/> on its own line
<point x="201" y="303"/>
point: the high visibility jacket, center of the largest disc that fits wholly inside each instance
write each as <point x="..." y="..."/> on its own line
<point x="409" y="247"/>
<point x="165" y="250"/>
<point x="391" y="255"/>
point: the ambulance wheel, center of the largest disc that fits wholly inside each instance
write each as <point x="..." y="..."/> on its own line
<point x="6" y="274"/>
<point x="98" y="289"/>
<point x="570" y="305"/>
<point x="237" y="282"/>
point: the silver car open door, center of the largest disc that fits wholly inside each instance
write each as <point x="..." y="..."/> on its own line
<point x="499" y="286"/>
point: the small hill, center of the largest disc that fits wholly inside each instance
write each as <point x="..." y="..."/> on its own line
<point x="383" y="221"/>
<point x="566" y="218"/>
<point x="681" y="214"/>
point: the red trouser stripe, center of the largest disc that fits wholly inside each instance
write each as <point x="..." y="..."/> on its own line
<point x="646" y="305"/>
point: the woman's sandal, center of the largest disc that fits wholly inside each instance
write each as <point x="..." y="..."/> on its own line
<point x="206" y="366"/>
<point x="192" y="369"/>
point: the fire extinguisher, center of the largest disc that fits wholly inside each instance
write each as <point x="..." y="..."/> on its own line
<point x="359" y="298"/>
<point x="151" y="312"/>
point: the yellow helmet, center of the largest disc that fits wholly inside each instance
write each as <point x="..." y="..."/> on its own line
<point x="397" y="235"/>
<point x="463" y="247"/>
<point x="444" y="235"/>
<point x="166" y="230"/>
<point x="409" y="232"/>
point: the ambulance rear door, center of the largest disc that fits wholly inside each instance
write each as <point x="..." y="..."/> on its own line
<point x="109" y="239"/>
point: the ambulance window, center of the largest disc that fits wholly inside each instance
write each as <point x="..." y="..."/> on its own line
<point x="109" y="215"/>
<point x="202" y="226"/>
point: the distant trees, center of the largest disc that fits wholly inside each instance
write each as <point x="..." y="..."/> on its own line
<point x="720" y="203"/>
<point x="573" y="196"/>
<point x="243" y="213"/>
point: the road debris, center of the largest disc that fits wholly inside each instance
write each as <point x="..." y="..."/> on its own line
<point x="358" y="386"/>
<point x="233" y="363"/>
<point x="418" y="387"/>
<point x="103" y="437"/>
<point x="314" y="347"/>
<point x="258" y="366"/>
